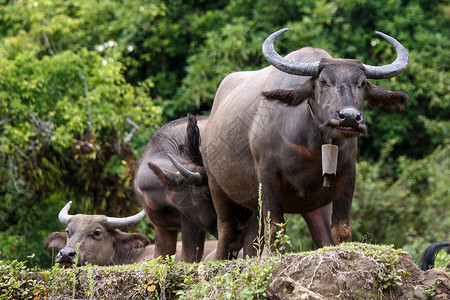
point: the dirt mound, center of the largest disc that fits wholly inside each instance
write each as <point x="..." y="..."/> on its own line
<point x="357" y="271"/>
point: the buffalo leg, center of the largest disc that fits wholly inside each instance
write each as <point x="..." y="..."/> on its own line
<point x="340" y="220"/>
<point x="319" y="225"/>
<point x="270" y="205"/>
<point x="165" y="242"/>
<point x="246" y="237"/>
<point x="251" y="234"/>
<point x="193" y="238"/>
<point x="226" y="222"/>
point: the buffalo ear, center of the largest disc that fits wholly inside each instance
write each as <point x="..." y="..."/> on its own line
<point x="158" y="172"/>
<point x="291" y="97"/>
<point x="378" y="96"/>
<point x="56" y="240"/>
<point x="131" y="240"/>
<point x="166" y="177"/>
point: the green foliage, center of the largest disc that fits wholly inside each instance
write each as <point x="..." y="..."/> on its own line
<point x="16" y="282"/>
<point x="442" y="260"/>
<point x="53" y="91"/>
<point x="410" y="212"/>
<point x="239" y="282"/>
<point x="431" y="288"/>
<point x="387" y="275"/>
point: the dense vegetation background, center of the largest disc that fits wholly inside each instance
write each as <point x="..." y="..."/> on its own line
<point x="84" y="84"/>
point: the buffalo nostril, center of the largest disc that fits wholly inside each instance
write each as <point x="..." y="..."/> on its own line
<point x="349" y="114"/>
<point x="67" y="253"/>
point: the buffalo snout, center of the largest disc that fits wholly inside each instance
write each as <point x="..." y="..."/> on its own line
<point x="350" y="117"/>
<point x="348" y="121"/>
<point x="66" y="256"/>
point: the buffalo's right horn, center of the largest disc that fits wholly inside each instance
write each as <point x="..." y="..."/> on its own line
<point x="114" y="223"/>
<point x="393" y="69"/>
<point x="194" y="177"/>
<point x="63" y="215"/>
<point x="285" y="65"/>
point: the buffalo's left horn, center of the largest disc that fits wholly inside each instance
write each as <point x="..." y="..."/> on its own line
<point x="113" y="223"/>
<point x="63" y="215"/>
<point x="194" y="177"/>
<point x="393" y="69"/>
<point x="285" y="65"/>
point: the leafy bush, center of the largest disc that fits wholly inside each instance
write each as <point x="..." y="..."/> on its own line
<point x="51" y="106"/>
<point x="410" y="212"/>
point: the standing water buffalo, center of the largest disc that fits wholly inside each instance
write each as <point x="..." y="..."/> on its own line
<point x="268" y="126"/>
<point x="101" y="243"/>
<point x="172" y="186"/>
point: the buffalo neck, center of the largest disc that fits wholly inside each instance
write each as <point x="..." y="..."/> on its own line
<point x="134" y="255"/>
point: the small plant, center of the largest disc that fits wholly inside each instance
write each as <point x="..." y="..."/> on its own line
<point x="258" y="244"/>
<point x="269" y="233"/>
<point x="431" y="288"/>
<point x="387" y="275"/>
<point x="74" y="275"/>
<point x="282" y="240"/>
<point x="90" y="280"/>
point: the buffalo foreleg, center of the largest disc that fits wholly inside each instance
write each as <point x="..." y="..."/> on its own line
<point x="226" y="221"/>
<point x="193" y="241"/>
<point x="165" y="241"/>
<point x="340" y="221"/>
<point x="272" y="211"/>
<point x="319" y="225"/>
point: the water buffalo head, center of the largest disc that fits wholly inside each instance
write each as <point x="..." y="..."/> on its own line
<point x="191" y="172"/>
<point x="337" y="88"/>
<point x="95" y="239"/>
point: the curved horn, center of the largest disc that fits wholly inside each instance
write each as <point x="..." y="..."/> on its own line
<point x="285" y="65"/>
<point x="194" y="177"/>
<point x="63" y="215"/>
<point x="393" y="69"/>
<point x="114" y="223"/>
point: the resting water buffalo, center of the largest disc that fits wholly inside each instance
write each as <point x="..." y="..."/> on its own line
<point x="429" y="255"/>
<point x="101" y="243"/>
<point x="174" y="189"/>
<point x="268" y="127"/>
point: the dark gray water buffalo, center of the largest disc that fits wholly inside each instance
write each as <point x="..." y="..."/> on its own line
<point x="174" y="189"/>
<point x="268" y="126"/>
<point x="429" y="255"/>
<point x="101" y="243"/>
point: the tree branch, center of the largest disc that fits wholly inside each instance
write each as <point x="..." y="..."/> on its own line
<point x="129" y="136"/>
<point x="47" y="44"/>
<point x="88" y="100"/>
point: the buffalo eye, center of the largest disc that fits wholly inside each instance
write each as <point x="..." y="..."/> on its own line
<point x="361" y="84"/>
<point x="97" y="234"/>
<point x="324" y="82"/>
